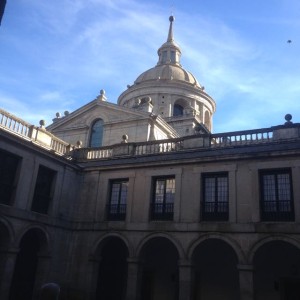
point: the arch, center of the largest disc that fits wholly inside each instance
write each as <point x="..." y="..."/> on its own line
<point x="100" y="242"/>
<point x="160" y="235"/>
<point x="179" y="106"/>
<point x="111" y="282"/>
<point x="276" y="261"/>
<point x="6" y="233"/>
<point x="232" y="243"/>
<point x="160" y="272"/>
<point x="28" y="269"/>
<point x="42" y="234"/>
<point x="96" y="133"/>
<point x="268" y="239"/>
<point x="216" y="275"/>
<point x="207" y="119"/>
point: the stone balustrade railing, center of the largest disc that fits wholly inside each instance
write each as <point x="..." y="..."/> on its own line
<point x="42" y="137"/>
<point x="14" y="124"/>
<point x="37" y="135"/>
<point x="228" y="139"/>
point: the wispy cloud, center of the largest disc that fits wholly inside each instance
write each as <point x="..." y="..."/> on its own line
<point x="63" y="52"/>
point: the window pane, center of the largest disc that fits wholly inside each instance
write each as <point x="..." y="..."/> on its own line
<point x="173" y="57"/>
<point x="159" y="191"/>
<point x="123" y="197"/>
<point x="284" y="187"/>
<point x="178" y="110"/>
<point x="170" y="190"/>
<point x="269" y="188"/>
<point x="116" y="208"/>
<point x="96" y="134"/>
<point x="276" y="196"/>
<point x="115" y="193"/>
<point x="222" y="189"/>
<point x="210" y="189"/>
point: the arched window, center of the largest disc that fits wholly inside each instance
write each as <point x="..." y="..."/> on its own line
<point x="178" y="110"/>
<point x="96" y="134"/>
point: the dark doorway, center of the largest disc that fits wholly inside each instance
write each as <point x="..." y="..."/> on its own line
<point x="160" y="270"/>
<point x="277" y="271"/>
<point x="112" y="278"/>
<point x="25" y="268"/>
<point x="216" y="275"/>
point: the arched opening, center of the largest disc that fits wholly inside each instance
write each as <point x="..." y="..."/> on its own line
<point x="160" y="270"/>
<point x="277" y="271"/>
<point x="216" y="274"/>
<point x="112" y="274"/>
<point x="178" y="110"/>
<point x="207" y="120"/>
<point x="24" y="277"/>
<point x="4" y="244"/>
<point x="96" y="135"/>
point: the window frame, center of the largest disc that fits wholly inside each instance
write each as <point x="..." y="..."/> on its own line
<point x="92" y="138"/>
<point x="279" y="214"/>
<point x="40" y="198"/>
<point x="121" y="208"/>
<point x="162" y="210"/>
<point x="8" y="186"/>
<point x="214" y="210"/>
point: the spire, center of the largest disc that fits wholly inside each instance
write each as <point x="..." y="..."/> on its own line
<point x="169" y="52"/>
<point x="170" y="35"/>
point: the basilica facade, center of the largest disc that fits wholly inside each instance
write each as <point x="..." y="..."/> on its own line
<point x="139" y="200"/>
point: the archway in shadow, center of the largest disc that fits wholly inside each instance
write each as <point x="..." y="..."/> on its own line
<point x="22" y="286"/>
<point x="4" y="245"/>
<point x="160" y="270"/>
<point x="216" y="274"/>
<point x="112" y="274"/>
<point x="277" y="271"/>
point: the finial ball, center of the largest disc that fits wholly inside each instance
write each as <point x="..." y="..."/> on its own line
<point x="288" y="117"/>
<point x="171" y="18"/>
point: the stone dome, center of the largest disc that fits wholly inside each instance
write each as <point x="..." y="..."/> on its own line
<point x="168" y="72"/>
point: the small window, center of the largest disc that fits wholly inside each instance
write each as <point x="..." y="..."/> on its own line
<point x="162" y="206"/>
<point x="8" y="172"/>
<point x="178" y="110"/>
<point x="164" y="57"/>
<point x="44" y="189"/>
<point x="173" y="57"/>
<point x="276" y="195"/>
<point x="96" y="135"/>
<point x="215" y="197"/>
<point x="116" y="208"/>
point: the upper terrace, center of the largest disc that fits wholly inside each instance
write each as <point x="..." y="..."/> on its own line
<point x="41" y="137"/>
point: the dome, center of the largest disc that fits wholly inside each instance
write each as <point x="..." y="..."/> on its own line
<point x="168" y="72"/>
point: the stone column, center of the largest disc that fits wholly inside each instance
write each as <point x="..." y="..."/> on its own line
<point x="9" y="260"/>
<point x="185" y="280"/>
<point x="133" y="278"/>
<point x="246" y="282"/>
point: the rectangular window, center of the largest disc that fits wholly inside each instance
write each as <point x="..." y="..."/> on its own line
<point x="8" y="172"/>
<point x="162" y="206"/>
<point x="215" y="197"/>
<point x="44" y="188"/>
<point x="276" y="195"/>
<point x="116" y="208"/>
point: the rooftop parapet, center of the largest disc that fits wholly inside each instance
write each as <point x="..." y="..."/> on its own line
<point x="41" y="137"/>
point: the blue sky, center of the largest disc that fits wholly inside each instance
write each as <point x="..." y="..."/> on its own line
<point x="57" y="55"/>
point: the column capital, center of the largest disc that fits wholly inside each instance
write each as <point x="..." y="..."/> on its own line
<point x="133" y="260"/>
<point x="244" y="267"/>
<point x="185" y="263"/>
